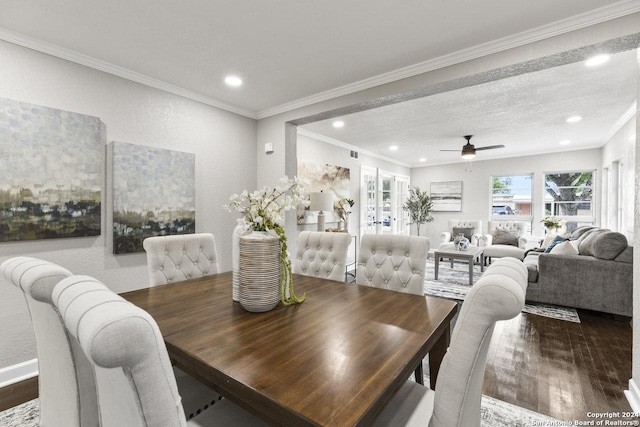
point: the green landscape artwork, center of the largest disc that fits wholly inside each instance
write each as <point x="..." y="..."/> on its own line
<point x="153" y="194"/>
<point x="51" y="172"/>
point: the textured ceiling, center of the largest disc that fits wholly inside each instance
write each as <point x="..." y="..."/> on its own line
<point x="526" y="113"/>
<point x="284" y="50"/>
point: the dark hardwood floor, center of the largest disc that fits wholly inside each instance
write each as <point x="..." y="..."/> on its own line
<point x="559" y="368"/>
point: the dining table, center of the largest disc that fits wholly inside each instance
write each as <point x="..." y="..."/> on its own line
<point x="334" y="360"/>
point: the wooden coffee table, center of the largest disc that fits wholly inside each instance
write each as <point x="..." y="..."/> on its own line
<point x="469" y="255"/>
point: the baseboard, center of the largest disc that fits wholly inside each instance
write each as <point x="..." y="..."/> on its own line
<point x="633" y="396"/>
<point x="15" y="373"/>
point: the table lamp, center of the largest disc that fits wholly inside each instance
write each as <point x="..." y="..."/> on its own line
<point x="321" y="202"/>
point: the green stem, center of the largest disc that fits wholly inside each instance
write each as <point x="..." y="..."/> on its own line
<point x="286" y="279"/>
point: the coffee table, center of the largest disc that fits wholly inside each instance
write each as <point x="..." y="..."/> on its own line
<point x="469" y="255"/>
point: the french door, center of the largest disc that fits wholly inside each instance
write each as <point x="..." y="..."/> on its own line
<point x="382" y="196"/>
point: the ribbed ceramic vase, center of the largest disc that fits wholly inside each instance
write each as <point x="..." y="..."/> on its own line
<point x="259" y="285"/>
<point x="235" y="260"/>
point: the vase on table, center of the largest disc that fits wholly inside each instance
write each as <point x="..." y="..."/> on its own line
<point x="259" y="271"/>
<point x="235" y="259"/>
<point x="346" y="223"/>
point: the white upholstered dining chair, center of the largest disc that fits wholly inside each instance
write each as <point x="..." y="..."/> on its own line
<point x="180" y="257"/>
<point x="395" y="262"/>
<point x="176" y="258"/>
<point x="65" y="387"/>
<point x="498" y="295"/>
<point x="322" y="254"/>
<point x="133" y="376"/>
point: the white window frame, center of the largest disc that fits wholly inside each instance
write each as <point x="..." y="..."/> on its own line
<point x="581" y="220"/>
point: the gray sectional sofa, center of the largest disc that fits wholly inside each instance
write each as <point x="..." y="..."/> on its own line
<point x="599" y="277"/>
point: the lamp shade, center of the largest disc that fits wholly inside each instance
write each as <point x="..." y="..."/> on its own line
<point x="321" y="202"/>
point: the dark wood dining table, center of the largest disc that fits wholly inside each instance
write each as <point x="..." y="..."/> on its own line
<point x="334" y="360"/>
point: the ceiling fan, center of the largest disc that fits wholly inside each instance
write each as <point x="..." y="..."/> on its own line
<point x="469" y="150"/>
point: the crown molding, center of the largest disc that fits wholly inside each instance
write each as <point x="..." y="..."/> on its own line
<point x="97" y="64"/>
<point x="630" y="113"/>
<point x="597" y="16"/>
<point x="341" y="144"/>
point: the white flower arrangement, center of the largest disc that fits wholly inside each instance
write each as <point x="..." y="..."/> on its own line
<point x="263" y="210"/>
<point x="553" y="222"/>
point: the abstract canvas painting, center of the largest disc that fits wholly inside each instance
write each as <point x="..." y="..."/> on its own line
<point x="446" y="196"/>
<point x="51" y="172"/>
<point x="153" y="194"/>
<point x="315" y="177"/>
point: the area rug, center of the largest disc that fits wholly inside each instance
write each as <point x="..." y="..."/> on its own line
<point x="494" y="413"/>
<point x="453" y="283"/>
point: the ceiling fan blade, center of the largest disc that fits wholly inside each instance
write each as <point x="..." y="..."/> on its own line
<point x="490" y="147"/>
<point x="451" y="150"/>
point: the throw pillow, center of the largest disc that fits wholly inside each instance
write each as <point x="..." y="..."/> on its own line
<point x="467" y="231"/>
<point x="556" y="240"/>
<point x="547" y="240"/>
<point x="564" y="248"/>
<point x="502" y="237"/>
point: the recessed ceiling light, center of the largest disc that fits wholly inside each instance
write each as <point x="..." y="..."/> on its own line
<point x="565" y="142"/>
<point x="574" y="119"/>
<point x="393" y="148"/>
<point x="338" y="124"/>
<point x="233" y="81"/>
<point x="597" y="60"/>
<point x="423" y="159"/>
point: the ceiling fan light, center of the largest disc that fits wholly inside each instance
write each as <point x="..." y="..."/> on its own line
<point x="468" y="155"/>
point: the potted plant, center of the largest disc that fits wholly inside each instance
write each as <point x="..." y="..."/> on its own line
<point x="419" y="206"/>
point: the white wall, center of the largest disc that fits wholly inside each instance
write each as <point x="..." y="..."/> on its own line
<point x="224" y="146"/>
<point x="476" y="184"/>
<point x="620" y="150"/>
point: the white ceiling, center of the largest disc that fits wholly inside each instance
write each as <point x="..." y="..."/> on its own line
<point x="526" y="113"/>
<point x="289" y="52"/>
<point x="292" y="53"/>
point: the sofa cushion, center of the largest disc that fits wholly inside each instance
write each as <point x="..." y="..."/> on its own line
<point x="604" y="244"/>
<point x="503" y="237"/>
<point x="565" y="248"/>
<point x="626" y="255"/>
<point x="500" y="251"/>
<point x="531" y="262"/>
<point x="466" y="231"/>
<point x="578" y="232"/>
<point x="556" y="240"/>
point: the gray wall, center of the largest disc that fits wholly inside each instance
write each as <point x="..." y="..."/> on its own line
<point x="223" y="143"/>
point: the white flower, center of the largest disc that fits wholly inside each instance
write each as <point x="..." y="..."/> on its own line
<point x="264" y="209"/>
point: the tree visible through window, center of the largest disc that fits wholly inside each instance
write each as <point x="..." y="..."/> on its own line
<point x="569" y="195"/>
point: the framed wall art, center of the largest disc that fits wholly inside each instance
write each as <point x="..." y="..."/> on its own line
<point x="446" y="196"/>
<point x="315" y="177"/>
<point x="153" y="194"/>
<point x="51" y="172"/>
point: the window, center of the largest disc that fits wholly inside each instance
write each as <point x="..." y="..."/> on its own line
<point x="569" y="195"/>
<point x="511" y="195"/>
<point x="511" y="198"/>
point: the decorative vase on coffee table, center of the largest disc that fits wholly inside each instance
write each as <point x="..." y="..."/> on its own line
<point x="259" y="285"/>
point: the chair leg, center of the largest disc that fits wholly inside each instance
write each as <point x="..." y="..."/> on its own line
<point x="419" y="373"/>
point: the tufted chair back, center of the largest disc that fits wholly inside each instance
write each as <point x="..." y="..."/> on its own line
<point x="517" y="228"/>
<point x="395" y="262"/>
<point x="133" y="374"/>
<point x="180" y="257"/>
<point x="476" y="224"/>
<point x="66" y="398"/>
<point x="322" y="254"/>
